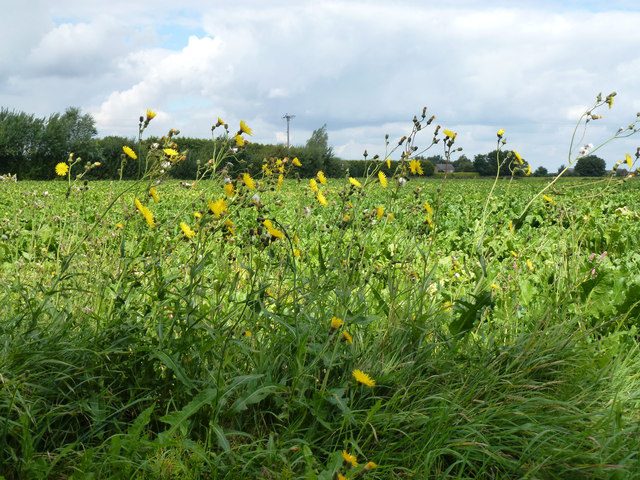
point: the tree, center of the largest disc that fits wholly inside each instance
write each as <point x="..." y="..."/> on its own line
<point x="541" y="172"/>
<point x="317" y="152"/>
<point x="463" y="164"/>
<point x="591" y="166"/>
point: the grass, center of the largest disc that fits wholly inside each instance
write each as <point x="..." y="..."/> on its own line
<point x="138" y="353"/>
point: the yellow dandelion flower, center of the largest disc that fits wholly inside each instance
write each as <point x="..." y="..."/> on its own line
<point x="247" y="333"/>
<point x="313" y="185"/>
<point x="153" y="193"/>
<point x="231" y="228"/>
<point x="336" y="323"/>
<point x="297" y="252"/>
<point x="150" y="114"/>
<point x="529" y="265"/>
<point x="321" y="177"/>
<point x="120" y="225"/>
<point x="388" y="162"/>
<point x="248" y="181"/>
<point x="229" y="191"/>
<point x="129" y="152"/>
<point x="355" y="182"/>
<point x="244" y="128"/>
<point x="218" y="207"/>
<point x="628" y="160"/>
<point x="240" y="141"/>
<point x="170" y="152"/>
<point x="548" y="199"/>
<point x="379" y="212"/>
<point x="346" y="336"/>
<point x="146" y="213"/>
<point x="370" y="465"/>
<point x="495" y="286"/>
<point x="500" y="133"/>
<point x="322" y="200"/>
<point x="351" y="460"/>
<point x="220" y="122"/>
<point x="415" y="167"/>
<point x="62" y="169"/>
<point x="280" y="181"/>
<point x="296" y="162"/>
<point x="428" y="209"/>
<point x="341" y="476"/>
<point x="363" y="378"/>
<point x="450" y="134"/>
<point x="273" y="231"/>
<point x="519" y="159"/>
<point x="383" y="179"/>
<point x="186" y="230"/>
<point x="197" y="215"/>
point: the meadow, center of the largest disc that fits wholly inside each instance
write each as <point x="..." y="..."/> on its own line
<point x="426" y="329"/>
<point x="279" y="327"/>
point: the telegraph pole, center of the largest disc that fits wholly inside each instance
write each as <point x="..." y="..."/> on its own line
<point x="288" y="118"/>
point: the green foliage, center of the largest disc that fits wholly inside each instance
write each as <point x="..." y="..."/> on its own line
<point x="590" y="166"/>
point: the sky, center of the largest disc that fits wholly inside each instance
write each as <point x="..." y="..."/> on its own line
<point x="363" y="68"/>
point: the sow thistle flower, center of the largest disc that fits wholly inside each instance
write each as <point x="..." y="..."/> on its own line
<point x="355" y="182"/>
<point x="346" y="336"/>
<point x="240" y="141"/>
<point x="450" y="134"/>
<point x="322" y="200"/>
<point x="244" y="128"/>
<point x="218" y="207"/>
<point x="248" y="181"/>
<point x="153" y="193"/>
<point x="296" y="162"/>
<point x="229" y="191"/>
<point x="388" y="162"/>
<point x="350" y="459"/>
<point x="519" y="159"/>
<point x="321" y="177"/>
<point x="500" y="133"/>
<point x="145" y="212"/>
<point x="150" y="115"/>
<point x="336" y="323"/>
<point x="170" y="152"/>
<point x="548" y="199"/>
<point x="273" y="231"/>
<point x="313" y="185"/>
<point x="415" y="167"/>
<point x="280" y="181"/>
<point x="62" y="169"/>
<point x="187" y="231"/>
<point x="379" y="212"/>
<point x="363" y="378"/>
<point x="129" y="152"/>
<point x="628" y="160"/>
<point x="383" y="179"/>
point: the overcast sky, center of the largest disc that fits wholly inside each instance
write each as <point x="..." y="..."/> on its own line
<point x="362" y="68"/>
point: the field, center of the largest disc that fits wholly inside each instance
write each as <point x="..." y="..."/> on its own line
<point x="437" y="329"/>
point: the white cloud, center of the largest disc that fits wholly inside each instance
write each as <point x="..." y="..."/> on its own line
<point x="363" y="68"/>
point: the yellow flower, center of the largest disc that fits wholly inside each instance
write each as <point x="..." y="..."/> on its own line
<point x="62" y="169"/>
<point x="383" y="179"/>
<point x="388" y="161"/>
<point x="363" y="378"/>
<point x="428" y="209"/>
<point x="341" y="476"/>
<point x="153" y="193"/>
<point x="336" y="323"/>
<point x="146" y="213"/>
<point x="346" y="336"/>
<point x="187" y="230"/>
<point x="527" y="171"/>
<point x="296" y="162"/>
<point x="628" y="160"/>
<point x="313" y="185"/>
<point x="220" y="122"/>
<point x="120" y="225"/>
<point x="244" y="128"/>
<point x="370" y="465"/>
<point x="170" y="152"/>
<point x="239" y="141"/>
<point x="548" y="199"/>
<point x="321" y="178"/>
<point x="297" y="252"/>
<point x="218" y="207"/>
<point x="355" y="182"/>
<point x="415" y="167"/>
<point x="231" y="228"/>
<point x="449" y="134"/>
<point x="150" y="114"/>
<point x="351" y="460"/>
<point x="519" y="160"/>
<point x="280" y="181"/>
<point x="500" y="133"/>
<point x="197" y="215"/>
<point x="229" y="191"/>
<point x="129" y="152"/>
<point x="247" y="333"/>
<point x="248" y="181"/>
<point x="379" y="212"/>
<point x="274" y="232"/>
<point x="530" y="265"/>
<point x="322" y="200"/>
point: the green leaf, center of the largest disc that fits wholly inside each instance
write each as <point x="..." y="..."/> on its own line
<point x="176" y="419"/>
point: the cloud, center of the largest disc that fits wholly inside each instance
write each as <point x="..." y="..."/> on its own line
<point x="363" y="68"/>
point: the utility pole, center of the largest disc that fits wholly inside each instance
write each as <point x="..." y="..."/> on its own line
<point x="288" y="118"/>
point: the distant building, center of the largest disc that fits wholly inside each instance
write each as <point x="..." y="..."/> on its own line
<point x="444" y="168"/>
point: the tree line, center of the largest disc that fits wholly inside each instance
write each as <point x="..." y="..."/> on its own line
<point x="30" y="147"/>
